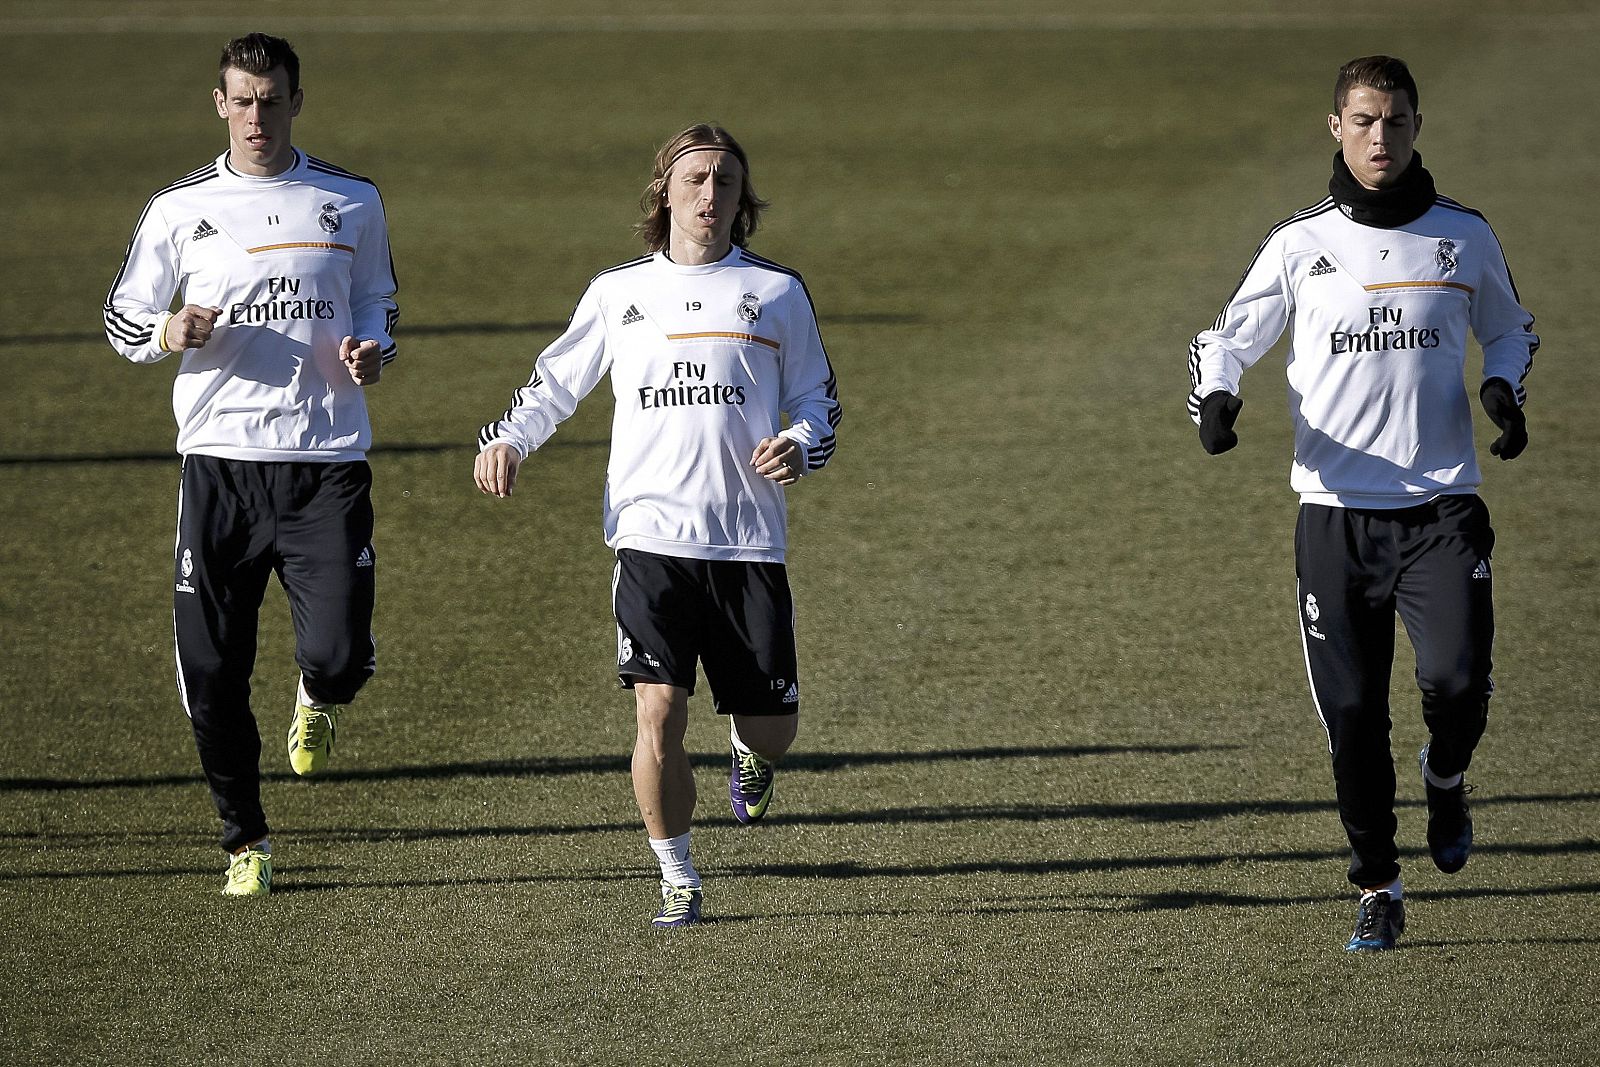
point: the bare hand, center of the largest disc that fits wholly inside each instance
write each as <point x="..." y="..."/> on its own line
<point x="778" y="459"/>
<point x="189" y="328"/>
<point x="495" y="470"/>
<point x="363" y="361"/>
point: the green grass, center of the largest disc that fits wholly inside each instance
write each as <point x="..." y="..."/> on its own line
<point x="1060" y="795"/>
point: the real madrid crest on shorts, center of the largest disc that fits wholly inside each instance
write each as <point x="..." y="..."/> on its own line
<point x="750" y="307"/>
<point x="1446" y="255"/>
<point x="329" y="219"/>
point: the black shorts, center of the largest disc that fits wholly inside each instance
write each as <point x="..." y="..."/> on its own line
<point x="736" y="618"/>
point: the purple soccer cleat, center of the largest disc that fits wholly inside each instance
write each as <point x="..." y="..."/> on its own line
<point x="749" y="785"/>
<point x="680" y="906"/>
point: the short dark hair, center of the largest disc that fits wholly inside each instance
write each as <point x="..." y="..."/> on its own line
<point x="258" y="53"/>
<point x="1383" y="73"/>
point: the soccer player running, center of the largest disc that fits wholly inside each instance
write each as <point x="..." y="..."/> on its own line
<point x="706" y="344"/>
<point x="1383" y="278"/>
<point x="281" y="263"/>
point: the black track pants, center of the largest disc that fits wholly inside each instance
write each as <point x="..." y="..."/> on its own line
<point x="1356" y="569"/>
<point x="238" y="522"/>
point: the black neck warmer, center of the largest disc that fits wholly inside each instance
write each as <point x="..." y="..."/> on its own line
<point x="1397" y="205"/>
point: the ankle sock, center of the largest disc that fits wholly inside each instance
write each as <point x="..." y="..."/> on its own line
<point x="264" y="845"/>
<point x="1396" y="892"/>
<point x="1438" y="782"/>
<point x="673" y="855"/>
<point x="305" y="698"/>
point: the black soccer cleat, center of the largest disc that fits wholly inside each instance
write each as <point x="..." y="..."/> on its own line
<point x="1379" y="923"/>
<point x="1449" y="821"/>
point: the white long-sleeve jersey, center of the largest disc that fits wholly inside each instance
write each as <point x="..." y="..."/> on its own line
<point x="702" y="361"/>
<point x="296" y="262"/>
<point x="1378" y="353"/>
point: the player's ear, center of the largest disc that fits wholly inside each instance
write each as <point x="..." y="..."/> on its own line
<point x="294" y="104"/>
<point x="1333" y="126"/>
<point x="221" y="101"/>
<point x="1416" y="130"/>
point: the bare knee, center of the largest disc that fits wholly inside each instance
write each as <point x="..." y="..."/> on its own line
<point x="662" y="714"/>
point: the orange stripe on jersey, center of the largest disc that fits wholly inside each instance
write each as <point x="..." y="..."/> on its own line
<point x="302" y="244"/>
<point x="1418" y="285"/>
<point x="717" y="333"/>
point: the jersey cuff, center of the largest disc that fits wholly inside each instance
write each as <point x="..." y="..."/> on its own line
<point x="521" y="452"/>
<point x="804" y="455"/>
<point x="159" y="333"/>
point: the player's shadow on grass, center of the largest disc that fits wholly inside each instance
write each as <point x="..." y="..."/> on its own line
<point x="89" y="458"/>
<point x="1178" y="814"/>
<point x="408" y="331"/>
<point x="556" y="766"/>
<point x="845" y="870"/>
<point x="1183" y="901"/>
<point x="850" y="869"/>
<point x="1124" y="903"/>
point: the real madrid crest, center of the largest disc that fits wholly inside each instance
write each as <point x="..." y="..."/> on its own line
<point x="329" y="218"/>
<point x="1446" y="255"/>
<point x="750" y="307"/>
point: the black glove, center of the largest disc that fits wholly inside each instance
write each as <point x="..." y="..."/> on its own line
<point x="1218" y="411"/>
<point x="1501" y="404"/>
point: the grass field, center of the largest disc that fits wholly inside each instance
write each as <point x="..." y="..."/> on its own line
<point x="1060" y="794"/>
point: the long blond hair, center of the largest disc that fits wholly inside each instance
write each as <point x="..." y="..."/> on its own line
<point x="657" y="221"/>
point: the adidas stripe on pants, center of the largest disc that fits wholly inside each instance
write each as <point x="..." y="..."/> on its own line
<point x="1357" y="568"/>
<point x="238" y="522"/>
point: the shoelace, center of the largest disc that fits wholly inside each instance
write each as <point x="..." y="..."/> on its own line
<point x="245" y="869"/>
<point x="676" y="902"/>
<point x="1457" y="800"/>
<point x="754" y="773"/>
<point x="1374" y="913"/>
<point x="316" y="728"/>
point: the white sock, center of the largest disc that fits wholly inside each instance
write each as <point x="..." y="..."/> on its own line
<point x="1395" y="891"/>
<point x="264" y="845"/>
<point x="673" y="855"/>
<point x="1440" y="783"/>
<point x="305" y="698"/>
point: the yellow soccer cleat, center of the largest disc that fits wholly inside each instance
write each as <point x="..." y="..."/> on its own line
<point x="311" y="737"/>
<point x="249" y="874"/>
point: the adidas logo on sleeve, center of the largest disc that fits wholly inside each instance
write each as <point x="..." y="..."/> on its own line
<point x="1322" y="266"/>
